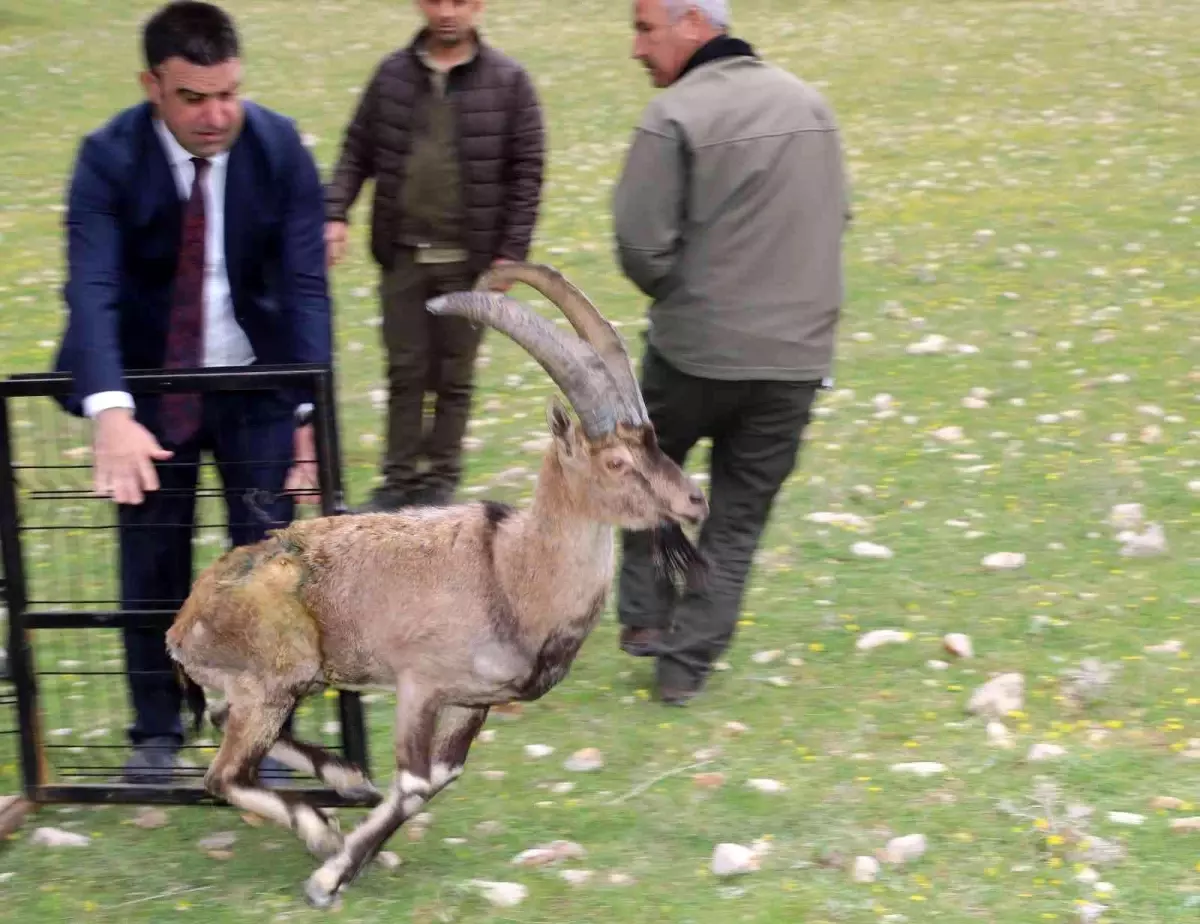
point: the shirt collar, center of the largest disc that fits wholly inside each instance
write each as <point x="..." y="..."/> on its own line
<point x="176" y="153"/>
<point x="723" y="46"/>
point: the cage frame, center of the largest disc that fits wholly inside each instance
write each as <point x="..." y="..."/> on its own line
<point x="37" y="787"/>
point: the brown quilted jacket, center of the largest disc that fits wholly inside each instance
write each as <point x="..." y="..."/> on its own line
<point x="501" y="146"/>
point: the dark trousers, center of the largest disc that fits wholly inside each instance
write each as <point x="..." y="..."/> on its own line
<point x="426" y="353"/>
<point x="250" y="436"/>
<point x="756" y="429"/>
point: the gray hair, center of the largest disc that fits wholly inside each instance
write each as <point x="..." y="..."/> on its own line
<point x="715" y="11"/>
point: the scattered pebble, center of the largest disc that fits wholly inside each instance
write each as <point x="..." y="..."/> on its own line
<point x="1045" y="751"/>
<point x="733" y="860"/>
<point x="538" y="751"/>
<point x="871" y="550"/>
<point x="554" y="852"/>
<point x="1003" y="561"/>
<point x="501" y="894"/>
<point x="879" y="637"/>
<point x="904" y="849"/>
<point x="1126" y="818"/>
<point x="1126" y="516"/>
<point x="585" y="761"/>
<point x="958" y="644"/>
<point x="576" y="877"/>
<point x="920" y="768"/>
<point x="999" y="696"/>
<point x="1152" y="541"/>
<point x="150" y="818"/>
<point x="56" y="837"/>
<point x="388" y="860"/>
<point x="866" y="869"/>
<point x="711" y="780"/>
<point x="764" y="785"/>
<point x="223" y="840"/>
<point x="998" y="735"/>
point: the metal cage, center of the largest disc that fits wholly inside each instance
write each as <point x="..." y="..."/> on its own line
<point x="65" y="699"/>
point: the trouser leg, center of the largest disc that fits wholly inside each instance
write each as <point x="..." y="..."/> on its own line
<point x="454" y="345"/>
<point x="155" y="540"/>
<point x="679" y="411"/>
<point x="752" y="456"/>
<point x="406" y="336"/>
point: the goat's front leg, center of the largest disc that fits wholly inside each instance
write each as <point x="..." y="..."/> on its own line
<point x="416" y="721"/>
<point x="457" y="728"/>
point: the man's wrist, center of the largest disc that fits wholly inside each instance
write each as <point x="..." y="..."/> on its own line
<point x="101" y="401"/>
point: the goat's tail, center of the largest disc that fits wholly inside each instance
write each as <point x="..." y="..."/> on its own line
<point x="193" y="697"/>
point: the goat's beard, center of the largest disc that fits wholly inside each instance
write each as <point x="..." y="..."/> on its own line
<point x="676" y="557"/>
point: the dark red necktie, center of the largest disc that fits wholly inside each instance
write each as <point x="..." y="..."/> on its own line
<point x="185" y="333"/>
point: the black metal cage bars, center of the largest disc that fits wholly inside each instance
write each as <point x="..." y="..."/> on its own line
<point x="65" y="702"/>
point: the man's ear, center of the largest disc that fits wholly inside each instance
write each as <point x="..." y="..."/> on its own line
<point x="561" y="426"/>
<point x="149" y="86"/>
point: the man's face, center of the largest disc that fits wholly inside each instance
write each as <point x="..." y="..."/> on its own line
<point x="663" y="46"/>
<point x="450" y="21"/>
<point x="200" y="105"/>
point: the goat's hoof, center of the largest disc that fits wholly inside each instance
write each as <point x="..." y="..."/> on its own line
<point x="318" y="892"/>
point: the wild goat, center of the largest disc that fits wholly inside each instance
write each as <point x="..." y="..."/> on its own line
<point x="455" y="608"/>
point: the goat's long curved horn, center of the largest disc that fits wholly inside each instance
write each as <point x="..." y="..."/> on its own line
<point x="584" y="316"/>
<point x="573" y="364"/>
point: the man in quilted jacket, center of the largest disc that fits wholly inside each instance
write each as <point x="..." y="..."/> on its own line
<point x="451" y="131"/>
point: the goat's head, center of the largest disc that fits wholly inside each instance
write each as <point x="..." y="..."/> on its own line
<point x="610" y="457"/>
<point x="623" y="478"/>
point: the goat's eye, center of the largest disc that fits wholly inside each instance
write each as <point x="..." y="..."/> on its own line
<point x="615" y="464"/>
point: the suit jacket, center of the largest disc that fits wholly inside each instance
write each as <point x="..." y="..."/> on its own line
<point x="124" y="229"/>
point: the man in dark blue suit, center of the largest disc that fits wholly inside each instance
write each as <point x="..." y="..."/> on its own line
<point x="195" y="227"/>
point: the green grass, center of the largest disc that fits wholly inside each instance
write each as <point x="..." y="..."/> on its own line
<point x="1068" y="130"/>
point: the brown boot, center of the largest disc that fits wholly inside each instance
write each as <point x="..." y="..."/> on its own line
<point x="639" y="642"/>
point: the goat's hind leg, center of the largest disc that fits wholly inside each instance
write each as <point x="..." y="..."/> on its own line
<point x="345" y="777"/>
<point x="250" y="726"/>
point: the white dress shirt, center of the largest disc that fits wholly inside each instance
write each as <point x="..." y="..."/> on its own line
<point x="225" y="343"/>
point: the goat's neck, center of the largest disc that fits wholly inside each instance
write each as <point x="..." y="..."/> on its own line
<point x="554" y="558"/>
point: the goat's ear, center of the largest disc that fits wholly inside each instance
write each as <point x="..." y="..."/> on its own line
<point x="559" y="420"/>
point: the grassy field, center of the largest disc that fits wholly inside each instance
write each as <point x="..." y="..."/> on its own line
<point x="1025" y="194"/>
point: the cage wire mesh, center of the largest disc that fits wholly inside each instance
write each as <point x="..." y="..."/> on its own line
<point x="10" y="774"/>
<point x="71" y="553"/>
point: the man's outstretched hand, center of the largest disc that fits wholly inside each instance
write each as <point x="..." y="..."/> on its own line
<point x="124" y="456"/>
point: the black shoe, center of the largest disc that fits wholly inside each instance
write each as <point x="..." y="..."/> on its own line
<point x="386" y="500"/>
<point x="434" y="496"/>
<point x="676" y="685"/>
<point x="272" y="772"/>
<point x="153" y="762"/>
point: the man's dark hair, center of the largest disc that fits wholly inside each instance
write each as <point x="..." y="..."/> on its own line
<point x="200" y="33"/>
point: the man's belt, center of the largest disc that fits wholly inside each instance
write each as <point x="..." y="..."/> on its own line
<point x="434" y="253"/>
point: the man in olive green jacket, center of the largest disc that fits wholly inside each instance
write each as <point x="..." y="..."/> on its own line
<point x="729" y="216"/>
